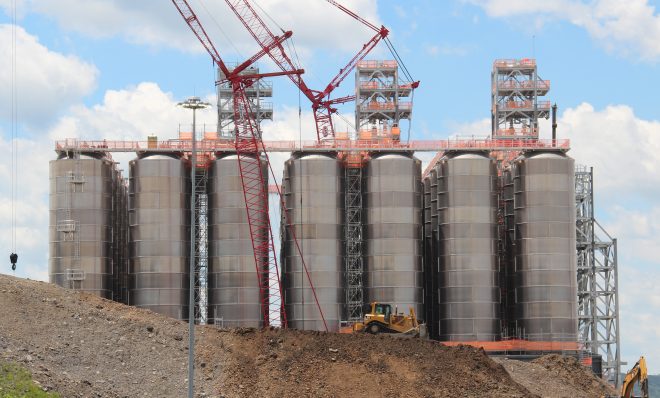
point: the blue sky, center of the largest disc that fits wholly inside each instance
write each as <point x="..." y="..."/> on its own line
<point x="115" y="69"/>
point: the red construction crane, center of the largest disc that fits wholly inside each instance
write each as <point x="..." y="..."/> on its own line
<point x="322" y="105"/>
<point x="249" y="147"/>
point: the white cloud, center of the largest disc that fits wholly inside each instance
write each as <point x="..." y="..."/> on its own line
<point x="132" y="114"/>
<point x="624" y="149"/>
<point x="157" y="23"/>
<point x="627" y="27"/>
<point x="47" y="82"/>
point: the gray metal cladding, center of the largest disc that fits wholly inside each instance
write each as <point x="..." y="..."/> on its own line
<point x="159" y="228"/>
<point x="233" y="287"/>
<point x="469" y="291"/>
<point x="393" y="231"/>
<point x="544" y="278"/>
<point x="81" y="224"/>
<point x="314" y="198"/>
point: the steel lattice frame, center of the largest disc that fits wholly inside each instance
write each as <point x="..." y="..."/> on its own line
<point x="353" y="261"/>
<point x="201" y="246"/>
<point x="516" y="87"/>
<point x="597" y="273"/>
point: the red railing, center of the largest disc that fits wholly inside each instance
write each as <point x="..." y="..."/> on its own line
<point x="224" y="144"/>
<point x="512" y="63"/>
<point x="526" y="84"/>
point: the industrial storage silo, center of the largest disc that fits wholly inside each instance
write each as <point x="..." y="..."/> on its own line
<point x="80" y="230"/>
<point x="159" y="228"/>
<point x="233" y="287"/>
<point x="393" y="231"/>
<point x="544" y="278"/>
<point x="468" y="279"/>
<point x="314" y="199"/>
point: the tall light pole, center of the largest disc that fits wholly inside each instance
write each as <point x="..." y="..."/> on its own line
<point x="193" y="103"/>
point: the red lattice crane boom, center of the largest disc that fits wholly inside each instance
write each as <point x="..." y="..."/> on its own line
<point x="249" y="149"/>
<point x="322" y="105"/>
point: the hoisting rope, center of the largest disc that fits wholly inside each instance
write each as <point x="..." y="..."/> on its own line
<point x="13" y="257"/>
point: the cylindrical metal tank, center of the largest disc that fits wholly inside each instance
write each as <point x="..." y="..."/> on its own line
<point x="233" y="287"/>
<point x="80" y="230"/>
<point x="314" y="199"/>
<point x="393" y="231"/>
<point x="159" y="228"/>
<point x="468" y="279"/>
<point x="545" y="260"/>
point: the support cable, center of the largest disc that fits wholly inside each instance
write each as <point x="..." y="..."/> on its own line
<point x="13" y="257"/>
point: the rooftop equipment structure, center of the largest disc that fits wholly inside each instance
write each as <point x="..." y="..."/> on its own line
<point x="257" y="93"/>
<point x="516" y="88"/>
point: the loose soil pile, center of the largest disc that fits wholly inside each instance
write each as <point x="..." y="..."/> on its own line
<point x="82" y="346"/>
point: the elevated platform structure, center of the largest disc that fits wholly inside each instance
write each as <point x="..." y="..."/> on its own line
<point x="516" y="108"/>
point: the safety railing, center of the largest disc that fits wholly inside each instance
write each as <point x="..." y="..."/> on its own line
<point x="373" y="64"/>
<point x="524" y="85"/>
<point x="226" y="144"/>
<point x="388" y="106"/>
<point x="543" y="105"/>
<point x="513" y="63"/>
<point x="373" y="85"/>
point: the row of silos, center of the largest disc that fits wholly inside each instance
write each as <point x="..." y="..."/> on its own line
<point x="470" y="279"/>
<point x="500" y="248"/>
<point x="131" y="242"/>
<point x="314" y="195"/>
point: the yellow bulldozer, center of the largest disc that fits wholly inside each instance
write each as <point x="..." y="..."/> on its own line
<point x="381" y="319"/>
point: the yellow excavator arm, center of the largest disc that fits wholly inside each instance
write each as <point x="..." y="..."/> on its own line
<point x="638" y="374"/>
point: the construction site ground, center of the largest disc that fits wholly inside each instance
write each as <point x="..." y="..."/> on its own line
<point x="82" y="346"/>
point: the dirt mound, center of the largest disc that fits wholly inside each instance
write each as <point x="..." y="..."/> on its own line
<point x="277" y="363"/>
<point x="84" y="346"/>
<point x="556" y="376"/>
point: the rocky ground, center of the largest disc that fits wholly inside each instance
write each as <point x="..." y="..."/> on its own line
<point x="83" y="346"/>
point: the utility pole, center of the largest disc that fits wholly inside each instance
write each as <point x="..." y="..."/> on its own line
<point x="193" y="103"/>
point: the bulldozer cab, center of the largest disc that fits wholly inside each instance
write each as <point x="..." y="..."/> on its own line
<point x="382" y="309"/>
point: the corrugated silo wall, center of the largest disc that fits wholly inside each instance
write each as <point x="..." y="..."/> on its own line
<point x="543" y="277"/>
<point x="159" y="229"/>
<point x="469" y="290"/>
<point x="537" y="270"/>
<point x="234" y="297"/>
<point x="393" y="232"/>
<point x="80" y="227"/>
<point x="313" y="186"/>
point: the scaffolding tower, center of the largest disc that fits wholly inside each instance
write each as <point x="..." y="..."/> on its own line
<point x="378" y="91"/>
<point x="353" y="228"/>
<point x="597" y="273"/>
<point x="201" y="244"/>
<point x="516" y="88"/>
<point x="260" y="109"/>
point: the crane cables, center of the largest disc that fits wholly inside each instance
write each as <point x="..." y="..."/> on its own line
<point x="14" y="137"/>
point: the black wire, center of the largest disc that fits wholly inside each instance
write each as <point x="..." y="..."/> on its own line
<point x="398" y="58"/>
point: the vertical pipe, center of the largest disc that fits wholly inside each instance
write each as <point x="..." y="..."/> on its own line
<point x="191" y="293"/>
<point x="554" y="124"/>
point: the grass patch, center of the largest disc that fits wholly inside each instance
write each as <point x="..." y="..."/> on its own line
<point x="16" y="382"/>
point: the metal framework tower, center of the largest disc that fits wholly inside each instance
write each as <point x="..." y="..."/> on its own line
<point x="379" y="89"/>
<point x="261" y="110"/>
<point x="353" y="227"/>
<point x="516" y="88"/>
<point x="597" y="273"/>
<point x="201" y="245"/>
